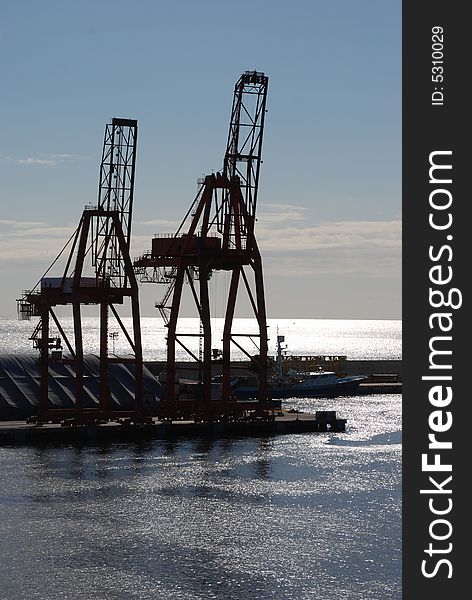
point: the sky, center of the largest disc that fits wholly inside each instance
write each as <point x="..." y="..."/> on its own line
<point x="329" y="206"/>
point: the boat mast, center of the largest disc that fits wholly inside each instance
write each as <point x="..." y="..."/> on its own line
<point x="279" y="361"/>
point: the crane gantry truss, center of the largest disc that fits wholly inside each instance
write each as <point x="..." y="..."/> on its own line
<point x="103" y="239"/>
<point x="217" y="234"/>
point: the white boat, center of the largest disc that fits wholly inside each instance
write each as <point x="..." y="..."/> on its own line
<point x="298" y="384"/>
<point x="302" y="385"/>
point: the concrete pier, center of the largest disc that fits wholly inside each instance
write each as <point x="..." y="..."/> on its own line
<point x="187" y="369"/>
<point x="379" y="388"/>
<point x="374" y="367"/>
<point x="21" y="433"/>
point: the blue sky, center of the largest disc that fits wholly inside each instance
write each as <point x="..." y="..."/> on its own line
<point x="330" y="196"/>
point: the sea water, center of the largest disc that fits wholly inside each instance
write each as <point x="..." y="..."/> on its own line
<point x="357" y="339"/>
<point x="290" y="517"/>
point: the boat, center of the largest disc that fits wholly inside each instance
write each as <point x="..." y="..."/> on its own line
<point x="301" y="385"/>
<point x="298" y="384"/>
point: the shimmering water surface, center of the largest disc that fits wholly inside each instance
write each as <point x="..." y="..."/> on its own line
<point x="357" y="339"/>
<point x="296" y="516"/>
<point x="290" y="517"/>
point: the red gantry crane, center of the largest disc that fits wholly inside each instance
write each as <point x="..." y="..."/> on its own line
<point x="103" y="240"/>
<point x="217" y="234"/>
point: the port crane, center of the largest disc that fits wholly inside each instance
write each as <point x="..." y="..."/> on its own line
<point x="102" y="243"/>
<point x="218" y="234"/>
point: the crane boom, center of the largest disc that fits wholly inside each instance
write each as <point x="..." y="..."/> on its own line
<point x="244" y="147"/>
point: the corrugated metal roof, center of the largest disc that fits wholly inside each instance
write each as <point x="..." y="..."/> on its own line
<point x="20" y="377"/>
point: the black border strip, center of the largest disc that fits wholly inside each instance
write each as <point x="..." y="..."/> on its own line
<point x="435" y="262"/>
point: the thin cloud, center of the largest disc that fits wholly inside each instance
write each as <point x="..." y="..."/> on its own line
<point x="64" y="156"/>
<point x="67" y="157"/>
<point x="335" y="264"/>
<point x="281" y="213"/>
<point x="31" y="240"/>
<point x="283" y="207"/>
<point x="45" y="162"/>
<point x="40" y="242"/>
<point x="13" y="229"/>
<point x="20" y="224"/>
<point x="365" y="248"/>
<point x="348" y="235"/>
<point x="159" y="223"/>
<point x="51" y="160"/>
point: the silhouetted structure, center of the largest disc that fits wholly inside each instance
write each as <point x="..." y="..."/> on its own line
<point x="103" y="236"/>
<point x="217" y="234"/>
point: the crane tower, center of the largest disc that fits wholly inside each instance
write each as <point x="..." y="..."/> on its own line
<point x="217" y="234"/>
<point x="100" y="242"/>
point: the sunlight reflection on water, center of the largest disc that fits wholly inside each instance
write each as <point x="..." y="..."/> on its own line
<point x="295" y="516"/>
<point x="356" y="339"/>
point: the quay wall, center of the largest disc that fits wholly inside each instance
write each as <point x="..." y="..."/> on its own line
<point x="189" y="369"/>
